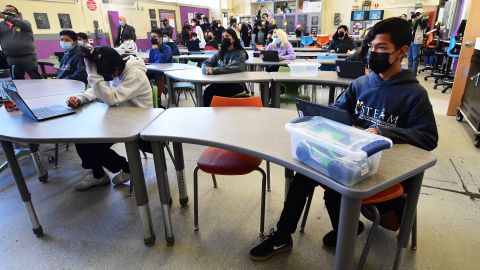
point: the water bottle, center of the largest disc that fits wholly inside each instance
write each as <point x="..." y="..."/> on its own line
<point x="6" y="83"/>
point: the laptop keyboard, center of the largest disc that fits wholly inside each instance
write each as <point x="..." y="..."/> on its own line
<point x="45" y="112"/>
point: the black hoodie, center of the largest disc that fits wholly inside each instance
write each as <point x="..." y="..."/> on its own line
<point x="398" y="107"/>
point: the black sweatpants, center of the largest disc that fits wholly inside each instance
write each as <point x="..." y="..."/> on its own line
<point x="96" y="156"/>
<point x="302" y="186"/>
<point x="223" y="90"/>
<point x="24" y="64"/>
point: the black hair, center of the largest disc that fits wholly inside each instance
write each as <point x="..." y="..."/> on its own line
<point x="344" y="27"/>
<point x="69" y="33"/>
<point x="194" y="34"/>
<point x="157" y="31"/>
<point x="166" y="33"/>
<point x="413" y="16"/>
<point x="127" y="36"/>
<point x="108" y="61"/>
<point x="265" y="14"/>
<point x="195" y="21"/>
<point x="16" y="9"/>
<point x="399" y="30"/>
<point x="404" y="15"/>
<point x="82" y="35"/>
<point x="205" y="19"/>
<point x="236" y="44"/>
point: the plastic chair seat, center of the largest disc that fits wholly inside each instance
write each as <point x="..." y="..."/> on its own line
<point x="385" y="195"/>
<point x="225" y="162"/>
<point x="183" y="86"/>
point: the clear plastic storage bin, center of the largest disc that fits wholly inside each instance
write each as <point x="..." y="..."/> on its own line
<point x="344" y="153"/>
<point x="303" y="69"/>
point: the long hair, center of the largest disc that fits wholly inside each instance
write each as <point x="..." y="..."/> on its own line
<point x="283" y="37"/>
<point x="344" y="27"/>
<point x="236" y="44"/>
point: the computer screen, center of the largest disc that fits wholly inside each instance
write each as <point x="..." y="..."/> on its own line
<point x="375" y="15"/>
<point x="358" y="15"/>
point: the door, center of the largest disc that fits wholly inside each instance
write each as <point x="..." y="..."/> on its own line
<point x="172" y="20"/>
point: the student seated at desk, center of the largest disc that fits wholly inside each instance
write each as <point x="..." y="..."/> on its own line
<point x="160" y="52"/>
<point x="212" y="44"/>
<point x="388" y="101"/>
<point x="341" y="42"/>
<point x="116" y="82"/>
<point x="230" y="59"/>
<point x="167" y="39"/>
<point x="128" y="45"/>
<point x="280" y="44"/>
<point x="361" y="53"/>
<point x="83" y="40"/>
<point x="71" y="66"/>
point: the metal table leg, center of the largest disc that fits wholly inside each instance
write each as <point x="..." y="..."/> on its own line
<point x="276" y="95"/>
<point x="199" y="94"/>
<point x="22" y="186"/>
<point x="265" y="94"/>
<point x="180" y="168"/>
<point x="38" y="162"/>
<point x="331" y="94"/>
<point x="140" y="189"/>
<point x="159" y="157"/>
<point x="347" y="233"/>
<point x="171" y="94"/>
<point x="413" y="193"/>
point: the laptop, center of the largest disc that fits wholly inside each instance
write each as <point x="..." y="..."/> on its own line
<point x="270" y="56"/>
<point x="307" y="108"/>
<point x="59" y="55"/>
<point x="193" y="47"/>
<point x="39" y="114"/>
<point x="350" y="69"/>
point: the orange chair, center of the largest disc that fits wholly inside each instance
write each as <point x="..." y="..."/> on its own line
<point x="323" y="40"/>
<point x="225" y="162"/>
<point x="368" y="205"/>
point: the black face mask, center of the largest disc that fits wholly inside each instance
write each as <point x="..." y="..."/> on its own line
<point x="341" y="34"/>
<point x="226" y="42"/>
<point x="379" y="62"/>
<point x="209" y="38"/>
<point x="154" y="41"/>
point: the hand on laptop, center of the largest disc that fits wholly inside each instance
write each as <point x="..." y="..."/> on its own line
<point x="209" y="71"/>
<point x="73" y="102"/>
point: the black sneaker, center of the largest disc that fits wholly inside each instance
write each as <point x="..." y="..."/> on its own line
<point x="330" y="239"/>
<point x="271" y="244"/>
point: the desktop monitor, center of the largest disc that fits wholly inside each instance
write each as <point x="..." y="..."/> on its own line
<point x="358" y="15"/>
<point x="375" y="15"/>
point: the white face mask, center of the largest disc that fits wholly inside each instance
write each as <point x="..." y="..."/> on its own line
<point x="80" y="42"/>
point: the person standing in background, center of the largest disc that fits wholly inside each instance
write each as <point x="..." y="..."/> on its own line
<point x="124" y="28"/>
<point x="167" y="28"/>
<point x="420" y="25"/>
<point x="16" y="39"/>
<point x="198" y="30"/>
<point x="186" y="33"/>
<point x="205" y="25"/>
<point x="246" y="32"/>
<point x="218" y="30"/>
<point x="299" y="31"/>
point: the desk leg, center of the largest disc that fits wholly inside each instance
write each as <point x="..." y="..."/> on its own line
<point x="276" y="95"/>
<point x="22" y="186"/>
<point x="331" y="94"/>
<point x="159" y="161"/>
<point x="180" y="168"/>
<point x="288" y="180"/>
<point x="171" y="92"/>
<point x="38" y="163"/>
<point x="140" y="189"/>
<point x="265" y="94"/>
<point x="347" y="233"/>
<point x="413" y="193"/>
<point x="199" y="94"/>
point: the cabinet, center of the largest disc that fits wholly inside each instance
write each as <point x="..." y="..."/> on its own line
<point x="470" y="108"/>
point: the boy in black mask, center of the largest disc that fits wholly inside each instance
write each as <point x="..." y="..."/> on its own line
<point x="388" y="101"/>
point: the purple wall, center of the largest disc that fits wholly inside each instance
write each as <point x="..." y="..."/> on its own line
<point x="113" y="20"/>
<point x="185" y="10"/>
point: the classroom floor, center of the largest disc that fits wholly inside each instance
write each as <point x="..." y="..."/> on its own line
<point x="100" y="228"/>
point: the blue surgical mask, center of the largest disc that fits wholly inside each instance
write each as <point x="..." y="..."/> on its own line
<point x="120" y="23"/>
<point x="165" y="40"/>
<point x="277" y="41"/>
<point x="67" y="46"/>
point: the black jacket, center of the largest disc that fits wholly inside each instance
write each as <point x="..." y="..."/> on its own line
<point x="174" y="48"/>
<point x="342" y="45"/>
<point x="126" y="29"/>
<point x="72" y="67"/>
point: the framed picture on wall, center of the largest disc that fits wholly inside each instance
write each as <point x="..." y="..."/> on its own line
<point x="41" y="20"/>
<point x="153" y="24"/>
<point x="314" y="20"/>
<point x="152" y="14"/>
<point x="65" y="22"/>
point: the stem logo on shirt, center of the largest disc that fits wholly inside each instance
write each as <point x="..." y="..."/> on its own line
<point x="65" y="67"/>
<point x="376" y="116"/>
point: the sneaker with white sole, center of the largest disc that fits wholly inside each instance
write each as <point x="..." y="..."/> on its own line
<point x="90" y="181"/>
<point x="121" y="178"/>
<point x="272" y="244"/>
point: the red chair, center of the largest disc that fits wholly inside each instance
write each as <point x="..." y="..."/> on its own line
<point x="323" y="40"/>
<point x="225" y="162"/>
<point x="368" y="205"/>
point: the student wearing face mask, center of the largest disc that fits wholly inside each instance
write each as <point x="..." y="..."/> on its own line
<point x="218" y="30"/>
<point x="186" y="33"/>
<point x="166" y="27"/>
<point x="160" y="52"/>
<point x="83" y="40"/>
<point x="198" y="30"/>
<point x="388" y="101"/>
<point x="341" y="42"/>
<point x="167" y="39"/>
<point x="128" y="45"/>
<point x="230" y="59"/>
<point x="71" y="66"/>
<point x="16" y="37"/>
<point x="281" y="45"/>
<point x="212" y="44"/>
<point x="124" y="29"/>
<point x="115" y="81"/>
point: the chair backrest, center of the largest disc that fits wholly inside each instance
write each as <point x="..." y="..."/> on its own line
<point x="191" y="63"/>
<point x="451" y="46"/>
<point x="219" y="101"/>
<point x="154" y="94"/>
<point x="429" y="44"/>
<point x="306" y="40"/>
<point x="283" y="69"/>
<point x="323" y="40"/>
<point x="327" y="57"/>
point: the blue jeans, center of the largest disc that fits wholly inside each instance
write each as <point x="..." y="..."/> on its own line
<point x="413" y="57"/>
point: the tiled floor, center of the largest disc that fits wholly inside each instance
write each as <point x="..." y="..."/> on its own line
<point x="99" y="229"/>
